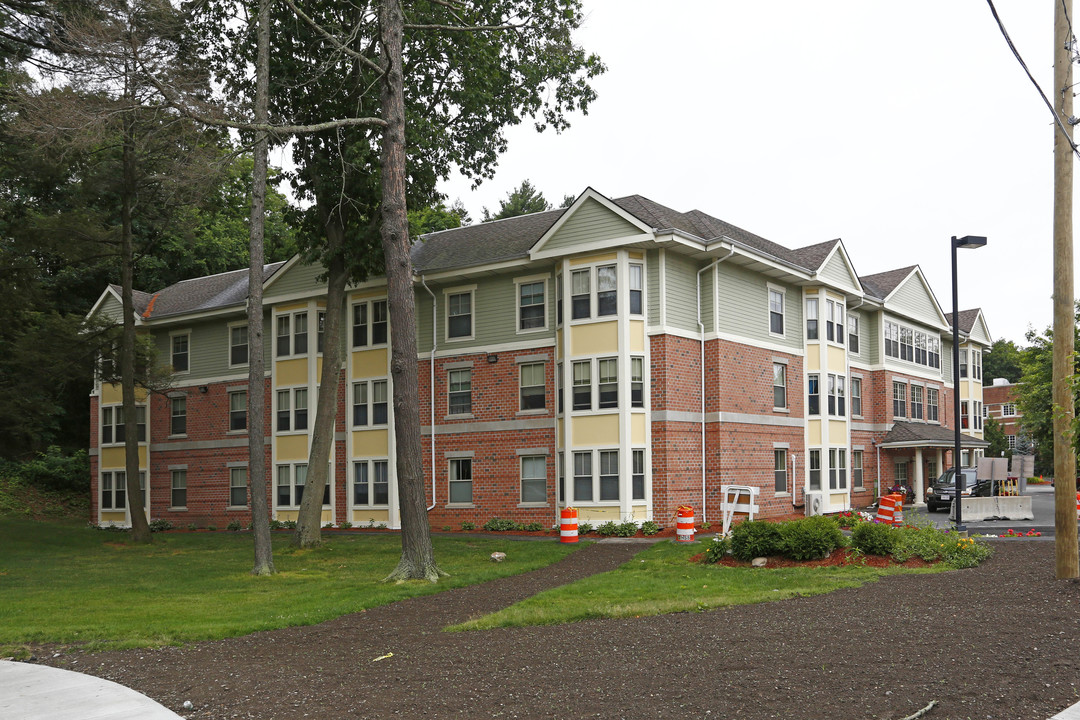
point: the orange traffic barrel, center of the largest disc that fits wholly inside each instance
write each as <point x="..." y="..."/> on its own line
<point x="568" y="525"/>
<point x="684" y="527"/>
<point x="898" y="509"/>
<point x="886" y="509"/>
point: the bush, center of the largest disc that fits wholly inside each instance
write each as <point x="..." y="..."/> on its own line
<point x="649" y="528"/>
<point x="873" y="538"/>
<point x="211" y="528"/>
<point x="160" y="525"/>
<point x="755" y="538"/>
<point x="534" y="527"/>
<point x="345" y="525"/>
<point x="466" y="525"/>
<point x="606" y="529"/>
<point x="584" y="528"/>
<point x="499" y="525"/>
<point x="811" y="538"/>
<point x="274" y="524"/>
<point x="849" y="519"/>
<point x="52" y="470"/>
<point x="234" y="526"/>
<point x="626" y="529"/>
<point x="328" y="526"/>
<point x="717" y="549"/>
<point x="192" y="526"/>
<point x="289" y="524"/>
<point x="961" y="552"/>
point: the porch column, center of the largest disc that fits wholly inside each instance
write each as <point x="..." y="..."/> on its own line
<point x="939" y="467"/>
<point x="920" y="494"/>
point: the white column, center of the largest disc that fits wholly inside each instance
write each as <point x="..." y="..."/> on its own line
<point x="920" y="492"/>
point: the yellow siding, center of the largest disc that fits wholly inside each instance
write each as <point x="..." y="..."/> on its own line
<point x="292" y="447"/>
<point x="370" y="443"/>
<point x="369" y="363"/>
<point x="291" y="306"/>
<point x="285" y="515"/>
<point x="837" y="499"/>
<point x="595" y="338"/>
<point x="813" y="358"/>
<point x="813" y="432"/>
<point x="837" y="432"/>
<point x="593" y="430"/>
<point x="114" y="395"/>
<point x="327" y="514"/>
<point x="637" y="336"/>
<point x="837" y="359"/>
<point x="597" y="515"/>
<point x="116" y="517"/>
<point x="318" y="367"/>
<point x="372" y="293"/>
<point x="637" y="429"/>
<point x="559" y="344"/>
<point x="636" y="255"/>
<point x="365" y="517"/>
<point x="113" y="457"/>
<point x="605" y="257"/>
<point x="560" y="432"/>
<point x="291" y="372"/>
<point x="640" y="513"/>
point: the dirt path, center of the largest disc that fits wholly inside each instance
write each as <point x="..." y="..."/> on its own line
<point x="1000" y="641"/>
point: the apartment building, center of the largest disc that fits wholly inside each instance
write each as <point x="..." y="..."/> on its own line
<point x="1001" y="400"/>
<point x="618" y="356"/>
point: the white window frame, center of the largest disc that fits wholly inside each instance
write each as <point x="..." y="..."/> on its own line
<point x="173" y="337"/>
<point x="855" y="392"/>
<point x="812" y="304"/>
<point x="902" y="387"/>
<point x="917" y="402"/>
<point x="852" y="322"/>
<point x="370" y="404"/>
<point x="173" y="415"/>
<point x="293" y="467"/>
<point x="542" y="385"/>
<point x="835" y="322"/>
<point x="770" y="289"/>
<point x="781" y="482"/>
<point x="293" y="410"/>
<point x="533" y="480"/>
<point x="371" y="465"/>
<point x="857" y="481"/>
<point x="118" y="479"/>
<point x="231" y="394"/>
<point x="292" y="317"/>
<point x="116" y="412"/>
<point x="1008" y="410"/>
<point x="178" y="474"/>
<point x="234" y="473"/>
<point x="531" y="280"/>
<point x="449" y="293"/>
<point x="779" y="382"/>
<point x="630" y="289"/>
<point x="935" y="405"/>
<point x="246" y="345"/>
<point x="450" y="410"/>
<point x="369" y="305"/>
<point x="453" y="475"/>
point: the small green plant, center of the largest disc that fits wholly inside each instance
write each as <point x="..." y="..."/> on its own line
<point x="649" y="528"/>
<point x="534" y="527"/>
<point x="160" y="525"/>
<point x="345" y="525"/>
<point x="755" y="538"/>
<point x="192" y="526"/>
<point x="289" y="524"/>
<point x="371" y="523"/>
<point x="626" y="529"/>
<point x="811" y="538"/>
<point x="234" y="526"/>
<point x="716" y="550"/>
<point x="382" y="526"/>
<point x="606" y="529"/>
<point x="849" y="519"/>
<point x="447" y="528"/>
<point x="500" y="525"/>
<point x="873" y="538"/>
<point x="328" y="526"/>
<point x="584" y="528"/>
<point x="705" y="526"/>
<point x="466" y="525"/>
<point x="276" y="524"/>
<point x="211" y="528"/>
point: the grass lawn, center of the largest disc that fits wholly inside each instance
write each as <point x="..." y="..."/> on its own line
<point x="661" y="580"/>
<point x="67" y="584"/>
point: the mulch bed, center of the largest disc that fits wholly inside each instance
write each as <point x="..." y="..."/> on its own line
<point x="997" y="642"/>
<point x="837" y="558"/>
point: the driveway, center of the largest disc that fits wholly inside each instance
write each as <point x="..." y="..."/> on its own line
<point x="1042" y="507"/>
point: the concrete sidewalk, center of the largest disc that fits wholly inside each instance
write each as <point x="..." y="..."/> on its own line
<point x="40" y="692"/>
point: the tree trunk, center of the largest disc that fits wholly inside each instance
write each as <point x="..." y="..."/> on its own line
<point x="309" y="519"/>
<point x="417" y="558"/>
<point x="257" y="486"/>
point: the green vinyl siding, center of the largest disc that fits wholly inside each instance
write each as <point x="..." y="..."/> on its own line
<point x="836" y="273"/>
<point x="209" y="347"/>
<point x="652" y="286"/>
<point x="111" y="309"/>
<point x="590" y="223"/>
<point x="300" y="279"/>
<point x="680" y="280"/>
<point x="869" y="336"/>
<point x="979" y="332"/>
<point x="423" y="317"/>
<point x="946" y="361"/>
<point x="913" y="300"/>
<point x="744" y="307"/>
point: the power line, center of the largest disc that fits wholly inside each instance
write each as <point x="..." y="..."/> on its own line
<point x="1023" y="64"/>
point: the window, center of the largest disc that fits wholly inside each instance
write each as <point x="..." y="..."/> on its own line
<point x="531" y="308"/>
<point x="931" y="469"/>
<point x="963" y="363"/>
<point x="558" y="299"/>
<point x="238" y="410"/>
<point x="559" y="387"/>
<point x="892" y="340"/>
<point x="300" y="333"/>
<point x="292" y="410"/>
<point x="582" y="386"/>
<point x="238" y="487"/>
<point x="637" y="382"/>
<point x="920" y="348"/>
<point x="459" y="315"/>
<point x="776" y="311"/>
<point x="976" y="364"/>
<point x="180" y="353"/>
<point x="292" y="334"/>
<point x="932" y="404"/>
<point x="900" y="469"/>
<point x="780" y="471"/>
<point x="837" y="469"/>
<point x="178" y="419"/>
<point x="369" y="323"/>
<point x="461" y="481"/>
<point x="533" y="395"/>
<point x="1008" y="410"/>
<point x="637" y="284"/>
<point x="606" y="290"/>
<point x="814" y="464"/>
<point x="899" y="399"/>
<point x="907" y="349"/>
<point x="978" y="414"/>
<point x="853" y="332"/>
<point x="917" y="402"/>
<point x="637" y="475"/>
<point x="369" y="405"/>
<point x="812" y="319"/>
<point x="836" y="395"/>
<point x="113" y="489"/>
<point x="609" y="475"/>
<point x="580" y="294"/>
<point x="291" y="480"/>
<point x="964" y="415"/>
<point x="113" y="429"/>
<point x="533" y="479"/>
<point x="933" y="352"/>
<point x="856" y="396"/>
<point x="371" y="482"/>
<point x="813" y="392"/>
<point x="607" y="370"/>
<point x="583" y="485"/>
<point x="779" y="385"/>
<point x="1011" y="440"/>
<point x="320" y="330"/>
<point x="238" y="345"/>
<point x="179" y="488"/>
<point x="856" y="469"/>
<point x="460" y="392"/>
<point x="560" y="472"/>
<point x="834" y="321"/>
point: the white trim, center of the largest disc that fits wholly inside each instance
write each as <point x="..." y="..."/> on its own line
<point x="469" y="290"/>
<point x="771" y="288"/>
<point x="530" y="280"/>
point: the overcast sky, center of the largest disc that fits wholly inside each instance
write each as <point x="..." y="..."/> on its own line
<point x="890" y="125"/>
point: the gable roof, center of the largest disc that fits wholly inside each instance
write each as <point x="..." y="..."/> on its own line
<point x="881" y="285"/>
<point x="812" y="256"/>
<point x="909" y="434"/>
<point x="966" y="319"/>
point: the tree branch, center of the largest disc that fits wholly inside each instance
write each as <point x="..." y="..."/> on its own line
<point x="332" y="39"/>
<point x="459" y="28"/>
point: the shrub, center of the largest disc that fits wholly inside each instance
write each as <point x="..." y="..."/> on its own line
<point x="811" y="538"/>
<point x="873" y="538"/>
<point x="234" y="526"/>
<point x="626" y="529"/>
<point x="584" y="528"/>
<point x="276" y="524"/>
<point x="345" y="525"/>
<point x="649" y="528"/>
<point x="755" y="538"/>
<point x="606" y="529"/>
<point x="717" y="549"/>
<point x="211" y="528"/>
<point x="447" y="528"/>
<point x="192" y="526"/>
<point x="961" y="552"/>
<point x="53" y="470"/>
<point x="849" y="519"/>
<point x="466" y="525"/>
<point x="160" y="525"/>
<point x="328" y="526"/>
<point x="499" y="525"/>
<point x="534" y="527"/>
<point x="289" y="524"/>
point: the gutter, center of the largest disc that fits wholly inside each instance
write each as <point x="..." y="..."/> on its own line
<point x="431" y="383"/>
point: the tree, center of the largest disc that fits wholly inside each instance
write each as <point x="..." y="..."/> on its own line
<point x="438" y="217"/>
<point x="523" y="201"/>
<point x="999" y="444"/>
<point x="1002" y="361"/>
<point x="1035" y="397"/>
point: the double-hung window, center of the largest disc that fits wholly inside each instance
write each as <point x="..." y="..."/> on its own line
<point x="779" y="385"/>
<point x="292" y="410"/>
<point x="533" y="479"/>
<point x="238" y="487"/>
<point x="836" y="395"/>
<point x="461" y="477"/>
<point x="533" y="387"/>
<point x="113" y="428"/>
<point x="976" y="364"/>
<point x="583" y="476"/>
<point x="963" y="363"/>
<point x="369" y="405"/>
<point x="811" y="318"/>
<point x="933" y="352"/>
<point x="776" y="311"/>
<point x="532" y="311"/>
<point x="964" y="415"/>
<point x="582" y="385"/>
<point x="920" y="348"/>
<point x="291" y="481"/>
<point x="369" y="323"/>
<point x="607" y="295"/>
<point x="837" y="469"/>
<point x="580" y="294"/>
<point x="834" y="321"/>
<point x="460" y="395"/>
<point x="371" y="483"/>
<point x="178" y="416"/>
<point x="907" y="349"/>
<point x="320" y="330"/>
<point x="637" y="475"/>
<point x="607" y="370"/>
<point x="637" y="284"/>
<point x="892" y="340"/>
<point x="917" y="402"/>
<point x="856" y="396"/>
<point x="814" y="466"/>
<point x="899" y="399"/>
<point x="179" y="488"/>
<point x="238" y="345"/>
<point x="459" y="315"/>
<point x="181" y="352"/>
<point x="292" y="334"/>
<point x="853" y="332"/>
<point x="113" y="488"/>
<point x="813" y="394"/>
<point x="637" y="382"/>
<point x="1008" y="410"/>
<point x="857" y="469"/>
<point x="780" y="483"/>
<point x="977" y="414"/>
<point x="238" y="410"/>
<point x="932" y="404"/>
<point x="609" y="475"/>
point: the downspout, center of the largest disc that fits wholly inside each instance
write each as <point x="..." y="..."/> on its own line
<point x="791" y="482"/>
<point x="556" y="350"/>
<point x="701" y="329"/>
<point x="431" y="368"/>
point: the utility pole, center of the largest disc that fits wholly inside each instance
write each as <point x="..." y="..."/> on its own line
<point x="1065" y="520"/>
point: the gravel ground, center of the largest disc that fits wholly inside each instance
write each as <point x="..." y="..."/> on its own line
<point x="997" y="642"/>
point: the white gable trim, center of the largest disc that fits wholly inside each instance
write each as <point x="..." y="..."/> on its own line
<point x="917" y="273"/>
<point x="294" y="260"/>
<point x="839" y="248"/>
<point x="101" y="300"/>
<point x="537" y="251"/>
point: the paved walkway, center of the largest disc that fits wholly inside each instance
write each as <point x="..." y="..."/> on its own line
<point x="39" y="692"/>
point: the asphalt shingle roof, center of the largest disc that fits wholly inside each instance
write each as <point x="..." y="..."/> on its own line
<point x="966" y="318"/>
<point x="197" y="294"/>
<point x="880" y="285"/>
<point x="812" y="256"/>
<point x="908" y="432"/>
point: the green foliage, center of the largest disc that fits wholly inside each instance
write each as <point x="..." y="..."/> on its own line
<point x="438" y="217"/>
<point x="211" y="528"/>
<point x="810" y="538"/>
<point x="873" y="538"/>
<point x="848" y="519"/>
<point x="606" y="529"/>
<point x="54" y="470"/>
<point x="345" y="525"/>
<point x="999" y="444"/>
<point x="626" y="529"/>
<point x="466" y="525"/>
<point x="1035" y="396"/>
<point x="524" y="200"/>
<point x="717" y="550"/>
<point x="933" y="545"/>
<point x="499" y="525"/>
<point x="234" y="526"/>
<point x="756" y="538"/>
<point x="288" y="524"/>
<point x="160" y="525"/>
<point x="584" y="528"/>
<point x="649" y="528"/>
<point x="1003" y="360"/>
<point x="192" y="526"/>
<point x="534" y="527"/>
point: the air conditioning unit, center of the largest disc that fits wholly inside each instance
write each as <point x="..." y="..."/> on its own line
<point x="815" y="503"/>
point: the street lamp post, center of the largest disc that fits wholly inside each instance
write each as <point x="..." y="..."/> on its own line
<point x="970" y="242"/>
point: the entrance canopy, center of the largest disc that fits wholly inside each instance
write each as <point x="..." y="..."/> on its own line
<point x="924" y="435"/>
